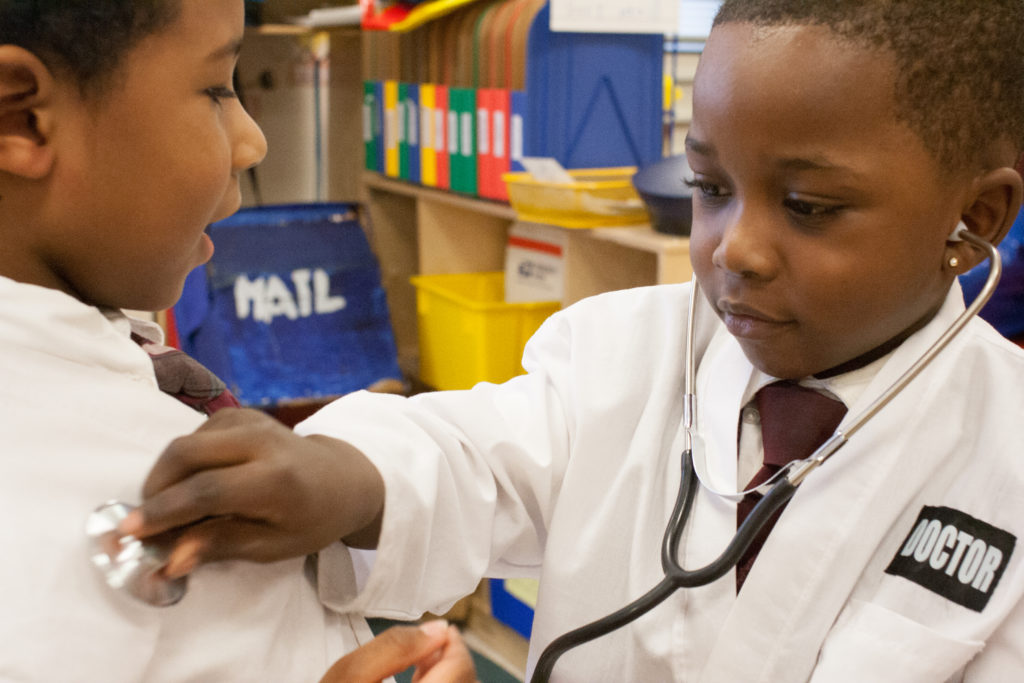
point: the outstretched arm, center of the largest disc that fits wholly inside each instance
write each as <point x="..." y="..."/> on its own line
<point x="244" y="486"/>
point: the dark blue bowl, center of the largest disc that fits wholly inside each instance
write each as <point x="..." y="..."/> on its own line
<point x="669" y="201"/>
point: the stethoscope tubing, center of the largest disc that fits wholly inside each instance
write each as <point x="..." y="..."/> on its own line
<point x="782" y="489"/>
<point x="675" y="576"/>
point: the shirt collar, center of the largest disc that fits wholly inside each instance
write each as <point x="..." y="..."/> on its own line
<point x="128" y="324"/>
<point x="846" y="387"/>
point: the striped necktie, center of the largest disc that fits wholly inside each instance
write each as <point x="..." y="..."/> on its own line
<point x="186" y="379"/>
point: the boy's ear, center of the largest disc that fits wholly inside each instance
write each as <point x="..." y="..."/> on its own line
<point x="26" y="93"/>
<point x="996" y="199"/>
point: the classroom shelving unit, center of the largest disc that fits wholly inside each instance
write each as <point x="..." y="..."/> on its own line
<point x="419" y="230"/>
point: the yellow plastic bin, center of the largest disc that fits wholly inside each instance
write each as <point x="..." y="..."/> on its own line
<point x="468" y="334"/>
<point x="596" y="197"/>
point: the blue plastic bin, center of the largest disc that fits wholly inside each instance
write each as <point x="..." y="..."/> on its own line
<point x="290" y="307"/>
<point x="593" y="99"/>
<point x="1005" y="310"/>
<point x="510" y="610"/>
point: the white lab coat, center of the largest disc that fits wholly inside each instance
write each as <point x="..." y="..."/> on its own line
<point x="569" y="474"/>
<point x="81" y="421"/>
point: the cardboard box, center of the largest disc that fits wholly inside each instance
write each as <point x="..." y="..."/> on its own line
<point x="535" y="263"/>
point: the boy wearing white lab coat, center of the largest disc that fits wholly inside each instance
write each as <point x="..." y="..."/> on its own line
<point x="834" y="147"/>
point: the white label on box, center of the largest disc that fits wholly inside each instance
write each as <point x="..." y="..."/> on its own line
<point x="483" y="136"/>
<point x="534" y="263"/>
<point x="499" y="134"/>
<point x="516" y="138"/>
<point x="467" y="133"/>
<point x="614" y="16"/>
<point x="413" y="125"/>
<point x="453" y="133"/>
<point x="426" y="121"/>
<point x="390" y="129"/>
<point x="523" y="590"/>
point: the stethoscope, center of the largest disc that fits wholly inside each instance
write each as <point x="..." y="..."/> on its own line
<point x="776" y="491"/>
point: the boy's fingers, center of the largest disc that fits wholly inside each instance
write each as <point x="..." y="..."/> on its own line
<point x="231" y="436"/>
<point x="223" y="538"/>
<point x="189" y="454"/>
<point x="204" y="494"/>
<point x="391" y="652"/>
<point x="217" y="470"/>
<point x="453" y="665"/>
<point x="186" y="556"/>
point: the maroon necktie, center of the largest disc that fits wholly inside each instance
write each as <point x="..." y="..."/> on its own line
<point x="795" y="420"/>
<point x="186" y="379"/>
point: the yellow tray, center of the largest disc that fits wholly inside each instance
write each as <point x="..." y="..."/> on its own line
<point x="597" y="197"/>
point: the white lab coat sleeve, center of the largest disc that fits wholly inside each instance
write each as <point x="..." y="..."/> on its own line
<point x="471" y="478"/>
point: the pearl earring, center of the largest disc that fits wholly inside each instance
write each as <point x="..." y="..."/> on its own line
<point x="953" y="262"/>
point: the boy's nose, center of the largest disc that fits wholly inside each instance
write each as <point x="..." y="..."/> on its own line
<point x="744" y="248"/>
<point x="250" y="144"/>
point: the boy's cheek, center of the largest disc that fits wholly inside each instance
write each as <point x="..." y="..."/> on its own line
<point x="701" y="250"/>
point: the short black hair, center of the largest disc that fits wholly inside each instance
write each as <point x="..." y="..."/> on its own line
<point x="84" y="40"/>
<point x="960" y="63"/>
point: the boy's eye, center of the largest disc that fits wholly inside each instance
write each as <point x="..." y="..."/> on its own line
<point x="707" y="190"/>
<point x="220" y="92"/>
<point x="809" y="209"/>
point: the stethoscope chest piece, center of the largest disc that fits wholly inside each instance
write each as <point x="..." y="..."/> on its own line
<point x="127" y="564"/>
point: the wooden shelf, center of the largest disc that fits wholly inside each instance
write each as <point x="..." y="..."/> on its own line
<point x="422" y="230"/>
<point x="603" y="259"/>
<point x="484" y="207"/>
<point x="278" y="30"/>
<point x="282" y="29"/>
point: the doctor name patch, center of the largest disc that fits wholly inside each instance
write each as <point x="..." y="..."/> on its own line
<point x="955" y="555"/>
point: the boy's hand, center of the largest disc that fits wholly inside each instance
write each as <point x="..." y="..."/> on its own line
<point x="436" y="650"/>
<point x="244" y="486"/>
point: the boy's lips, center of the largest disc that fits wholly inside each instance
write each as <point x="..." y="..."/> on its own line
<point x="748" y="322"/>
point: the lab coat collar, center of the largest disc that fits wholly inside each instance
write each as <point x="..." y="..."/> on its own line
<point x="835" y="522"/>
